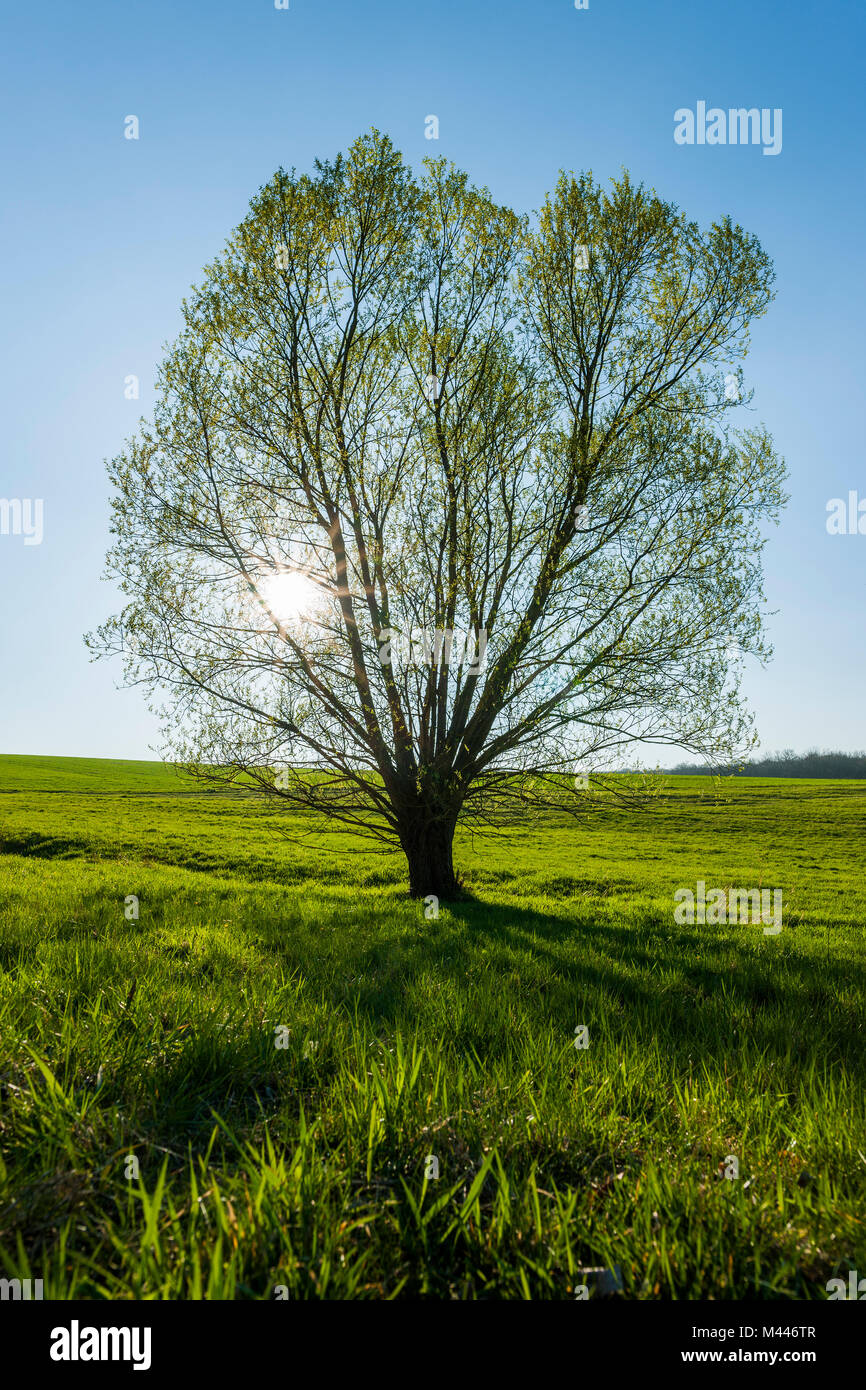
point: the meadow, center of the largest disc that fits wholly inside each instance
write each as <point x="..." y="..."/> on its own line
<point x="284" y="1044"/>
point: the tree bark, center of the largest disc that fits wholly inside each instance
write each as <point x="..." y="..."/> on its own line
<point x="428" y="846"/>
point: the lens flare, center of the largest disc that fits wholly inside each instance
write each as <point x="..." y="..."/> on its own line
<point x="290" y="596"/>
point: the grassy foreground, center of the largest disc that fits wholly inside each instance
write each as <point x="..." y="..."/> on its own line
<point x="285" y="1044"/>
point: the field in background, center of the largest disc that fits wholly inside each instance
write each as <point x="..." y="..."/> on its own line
<point x="407" y="1040"/>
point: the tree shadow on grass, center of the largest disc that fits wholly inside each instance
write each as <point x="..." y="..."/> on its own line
<point x="689" y="987"/>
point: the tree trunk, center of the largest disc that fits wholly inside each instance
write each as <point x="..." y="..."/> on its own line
<point x="428" y="848"/>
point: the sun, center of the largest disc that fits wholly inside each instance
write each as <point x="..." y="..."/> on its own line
<point x="290" y="595"/>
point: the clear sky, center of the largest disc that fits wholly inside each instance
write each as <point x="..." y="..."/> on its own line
<point x="102" y="236"/>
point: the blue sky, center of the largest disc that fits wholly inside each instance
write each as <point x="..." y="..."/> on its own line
<point x="102" y="236"/>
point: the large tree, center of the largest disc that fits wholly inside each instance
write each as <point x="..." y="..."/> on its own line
<point x="439" y="502"/>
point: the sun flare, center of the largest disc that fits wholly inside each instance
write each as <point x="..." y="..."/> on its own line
<point x="290" y="595"/>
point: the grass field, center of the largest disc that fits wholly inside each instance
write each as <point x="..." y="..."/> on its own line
<point x="300" y="1167"/>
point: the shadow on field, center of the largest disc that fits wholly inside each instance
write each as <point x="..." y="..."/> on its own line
<point x="659" y="982"/>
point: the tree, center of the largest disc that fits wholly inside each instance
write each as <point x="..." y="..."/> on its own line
<point x="439" y="502"/>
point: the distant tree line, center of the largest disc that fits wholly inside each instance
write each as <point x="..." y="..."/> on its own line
<point x="814" y="763"/>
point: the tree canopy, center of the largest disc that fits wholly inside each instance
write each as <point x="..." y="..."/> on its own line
<point x="440" y="502"/>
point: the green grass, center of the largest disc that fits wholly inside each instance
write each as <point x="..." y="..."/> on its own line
<point x="304" y="1166"/>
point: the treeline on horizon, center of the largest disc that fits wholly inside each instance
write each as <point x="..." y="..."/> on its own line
<point x="814" y="763"/>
